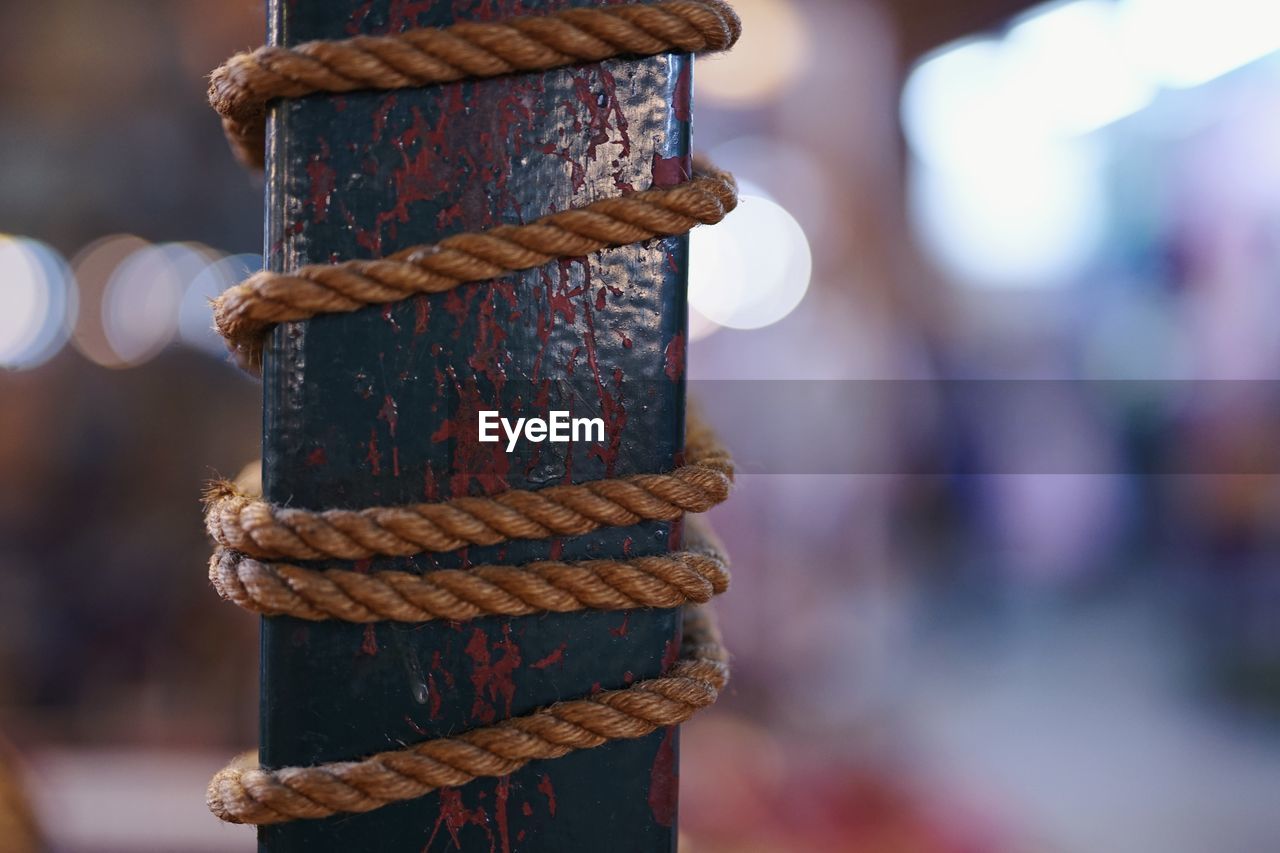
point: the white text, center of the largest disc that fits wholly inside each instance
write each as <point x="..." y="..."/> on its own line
<point x="558" y="427"/>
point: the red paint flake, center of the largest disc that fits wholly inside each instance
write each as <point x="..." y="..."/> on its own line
<point x="368" y="239"/>
<point x="411" y="723"/>
<point x="430" y="491"/>
<point x="395" y="461"/>
<point x="403" y="14"/>
<point x="664" y="781"/>
<point x="500" y="794"/>
<point x="626" y="342"/>
<point x="454" y="815"/>
<point x="612" y="409"/>
<point x="485" y="466"/>
<point x="682" y="97"/>
<point x="390" y="413"/>
<point x="670" y="171"/>
<point x="492" y="678"/>
<point x="675" y="355"/>
<point x="370" y="644"/>
<point x="628" y="677"/>
<point x="621" y="630"/>
<point x="438" y="664"/>
<point x="317" y="458"/>
<point x="390" y="318"/>
<point x="381" y="115"/>
<point x="604" y="112"/>
<point x="490" y="353"/>
<point x="420" y="176"/>
<point x="322" y="180"/>
<point x="526" y="809"/>
<point x="373" y="457"/>
<point x="556" y="657"/>
<point x="421" y="314"/>
<point x="556" y="549"/>
<point x="627" y="544"/>
<point x="546" y="788"/>
<point x="446" y="676"/>
<point x="559" y="302"/>
<point x="415" y="180"/>
<point x="355" y="22"/>
<point x="433" y="696"/>
<point x="457" y="303"/>
<point x="600" y="299"/>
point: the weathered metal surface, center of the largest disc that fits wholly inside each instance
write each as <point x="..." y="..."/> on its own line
<point x="377" y="407"/>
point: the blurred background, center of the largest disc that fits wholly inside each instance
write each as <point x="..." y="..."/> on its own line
<point x="956" y="651"/>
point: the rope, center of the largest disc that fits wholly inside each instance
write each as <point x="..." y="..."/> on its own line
<point x="252" y="533"/>
<point x="243" y="313"/>
<point x="244" y="793"/>
<point x="240" y="522"/>
<point x="670" y="580"/>
<point x="242" y="88"/>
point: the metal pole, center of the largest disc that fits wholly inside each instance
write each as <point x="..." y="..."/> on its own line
<point x="368" y="408"/>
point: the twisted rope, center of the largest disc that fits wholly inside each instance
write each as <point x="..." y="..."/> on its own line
<point x="240" y="522"/>
<point x="669" y="580"/>
<point x="244" y="793"/>
<point x="244" y="312"/>
<point x="242" y="88"/>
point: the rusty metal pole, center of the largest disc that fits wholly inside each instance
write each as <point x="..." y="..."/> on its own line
<point x="369" y="408"/>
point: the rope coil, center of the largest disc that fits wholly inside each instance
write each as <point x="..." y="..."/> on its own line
<point x="241" y="89"/>
<point x="691" y="576"/>
<point x="244" y="312"/>
<point x="238" y="521"/>
<point x="244" y="793"/>
<point x="252" y="534"/>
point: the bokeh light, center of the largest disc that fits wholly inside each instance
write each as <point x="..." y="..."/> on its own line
<point x="1028" y="218"/>
<point x="93" y="266"/>
<point x="1185" y="43"/>
<point x="752" y="269"/>
<point x="1070" y="70"/>
<point x="37" y="302"/>
<point x="1007" y="187"/>
<point x="952" y="105"/>
<point x="143" y="295"/>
